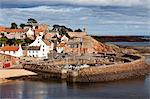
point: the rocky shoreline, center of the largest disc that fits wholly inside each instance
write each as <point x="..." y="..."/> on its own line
<point x="145" y="50"/>
<point x="121" y="38"/>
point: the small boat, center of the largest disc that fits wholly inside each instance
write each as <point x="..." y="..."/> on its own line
<point x="84" y="66"/>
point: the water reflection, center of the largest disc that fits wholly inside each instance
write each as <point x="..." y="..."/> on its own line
<point x="44" y="90"/>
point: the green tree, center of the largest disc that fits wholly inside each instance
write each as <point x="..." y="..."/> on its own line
<point x="28" y="40"/>
<point x="78" y="30"/>
<point x="31" y="20"/>
<point x="14" y="26"/>
<point x="62" y="31"/>
<point x="22" y="25"/>
<point x="18" y="41"/>
<point x="3" y="40"/>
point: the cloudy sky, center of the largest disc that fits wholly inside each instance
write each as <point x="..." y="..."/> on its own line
<point x="100" y="17"/>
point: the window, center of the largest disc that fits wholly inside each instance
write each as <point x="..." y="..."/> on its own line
<point x="21" y="36"/>
<point x="38" y="41"/>
<point x="43" y="49"/>
<point x="14" y="52"/>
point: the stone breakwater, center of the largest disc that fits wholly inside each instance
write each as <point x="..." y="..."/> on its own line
<point x="113" y="72"/>
<point x="98" y="73"/>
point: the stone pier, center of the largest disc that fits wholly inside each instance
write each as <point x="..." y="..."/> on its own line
<point x="132" y="66"/>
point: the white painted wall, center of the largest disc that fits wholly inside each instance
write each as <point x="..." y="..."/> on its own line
<point x="44" y="49"/>
<point x="18" y="53"/>
<point x="30" y="32"/>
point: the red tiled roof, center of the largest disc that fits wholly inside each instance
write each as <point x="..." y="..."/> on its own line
<point x="15" y="30"/>
<point x="61" y="45"/>
<point x="2" y="28"/>
<point x="10" y="48"/>
<point x="39" y="30"/>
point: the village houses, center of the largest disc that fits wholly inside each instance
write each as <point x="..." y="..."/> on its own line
<point x="15" y="51"/>
<point x="40" y="48"/>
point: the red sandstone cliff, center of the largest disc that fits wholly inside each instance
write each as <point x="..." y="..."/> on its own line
<point x="95" y="46"/>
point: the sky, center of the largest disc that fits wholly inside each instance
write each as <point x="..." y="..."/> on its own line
<point x="99" y="17"/>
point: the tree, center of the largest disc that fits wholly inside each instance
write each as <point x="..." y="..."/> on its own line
<point x="10" y="41"/>
<point x="31" y="20"/>
<point x="78" y="30"/>
<point x="62" y="31"/>
<point x="70" y="30"/>
<point x="14" y="26"/>
<point x="18" y="41"/>
<point x="3" y="40"/>
<point x="55" y="27"/>
<point x="28" y="40"/>
<point x="22" y="25"/>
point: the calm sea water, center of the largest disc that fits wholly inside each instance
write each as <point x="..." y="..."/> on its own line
<point x="131" y="43"/>
<point x="124" y="89"/>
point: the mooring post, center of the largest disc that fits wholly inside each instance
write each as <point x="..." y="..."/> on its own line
<point x="64" y="73"/>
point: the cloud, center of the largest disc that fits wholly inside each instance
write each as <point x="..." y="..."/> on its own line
<point x="142" y="3"/>
<point x="96" y="19"/>
<point x="107" y="2"/>
<point x="50" y="9"/>
<point x="84" y="18"/>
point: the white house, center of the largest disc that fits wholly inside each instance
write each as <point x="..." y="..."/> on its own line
<point x="30" y="32"/>
<point x="40" y="48"/>
<point x="57" y="34"/>
<point x="12" y="50"/>
<point x="64" y="38"/>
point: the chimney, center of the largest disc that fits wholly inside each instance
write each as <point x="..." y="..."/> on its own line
<point x="3" y="45"/>
<point x="19" y="45"/>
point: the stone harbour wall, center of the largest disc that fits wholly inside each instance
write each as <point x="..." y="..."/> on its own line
<point x="112" y="72"/>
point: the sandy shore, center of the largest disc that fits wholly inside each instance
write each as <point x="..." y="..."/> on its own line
<point x="8" y="73"/>
<point x="3" y="80"/>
